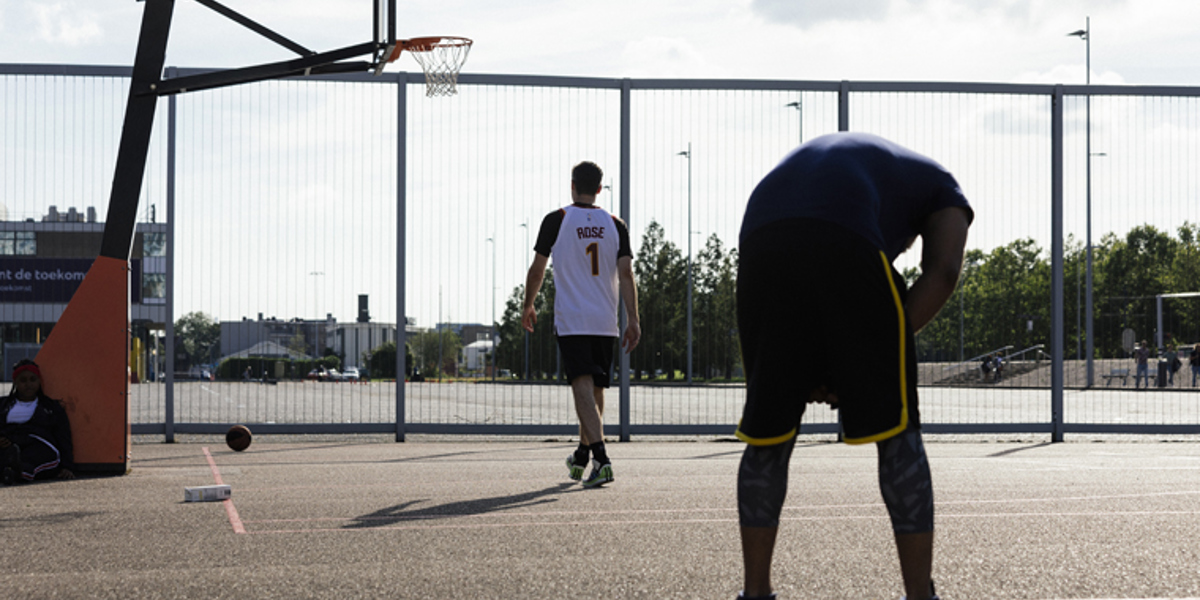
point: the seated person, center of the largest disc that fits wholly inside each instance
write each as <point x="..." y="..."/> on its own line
<point x="985" y="368"/>
<point x="35" y="435"/>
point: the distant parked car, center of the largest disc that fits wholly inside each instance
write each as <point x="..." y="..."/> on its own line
<point x="351" y="374"/>
<point x="317" y="375"/>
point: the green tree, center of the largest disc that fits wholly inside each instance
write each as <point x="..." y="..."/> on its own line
<point x="1129" y="273"/>
<point x="199" y="335"/>
<point x="715" y="311"/>
<point x="437" y="352"/>
<point x="998" y="295"/>
<point x="543" y="347"/>
<point x="1014" y="291"/>
<point x="296" y="344"/>
<point x="510" y="352"/>
<point x="381" y="360"/>
<point x="661" y="273"/>
<point x="1184" y="276"/>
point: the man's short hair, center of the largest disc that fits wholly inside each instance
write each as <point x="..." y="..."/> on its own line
<point x="587" y="176"/>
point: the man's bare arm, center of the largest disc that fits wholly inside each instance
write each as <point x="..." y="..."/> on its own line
<point x="533" y="285"/>
<point x="943" y="238"/>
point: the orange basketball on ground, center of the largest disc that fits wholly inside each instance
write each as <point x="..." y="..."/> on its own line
<point x="238" y="437"/>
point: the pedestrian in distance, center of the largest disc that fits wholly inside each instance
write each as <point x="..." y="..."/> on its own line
<point x="593" y="268"/>
<point x="1141" y="356"/>
<point x="1173" y="362"/>
<point x="1194" y="362"/>
<point x="816" y="247"/>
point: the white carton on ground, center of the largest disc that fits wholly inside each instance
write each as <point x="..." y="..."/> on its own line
<point x="206" y="493"/>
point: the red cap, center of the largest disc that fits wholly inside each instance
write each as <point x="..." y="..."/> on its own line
<point x="32" y="368"/>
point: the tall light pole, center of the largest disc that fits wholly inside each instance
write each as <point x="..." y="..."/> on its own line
<point x="316" y="331"/>
<point x="688" y="154"/>
<point x="1086" y="35"/>
<point x="525" y="226"/>
<point x="493" y="323"/>
<point x="799" y="106"/>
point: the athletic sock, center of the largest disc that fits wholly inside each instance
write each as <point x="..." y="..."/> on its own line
<point x="581" y="454"/>
<point x="598" y="453"/>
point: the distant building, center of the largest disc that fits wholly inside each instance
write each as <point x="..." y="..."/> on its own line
<point x="349" y="341"/>
<point x="306" y="337"/>
<point x="43" y="262"/>
<point x="477" y="355"/>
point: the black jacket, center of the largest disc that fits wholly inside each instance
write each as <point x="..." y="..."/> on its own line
<point x="49" y="421"/>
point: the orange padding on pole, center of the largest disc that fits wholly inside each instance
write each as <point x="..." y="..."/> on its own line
<point x="84" y="364"/>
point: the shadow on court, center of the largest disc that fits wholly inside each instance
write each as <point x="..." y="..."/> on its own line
<point x="484" y="519"/>
<point x="450" y="510"/>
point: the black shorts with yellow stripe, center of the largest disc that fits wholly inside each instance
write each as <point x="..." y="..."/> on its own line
<point x="818" y="305"/>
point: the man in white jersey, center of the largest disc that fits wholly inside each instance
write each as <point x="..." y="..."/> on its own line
<point x="593" y="267"/>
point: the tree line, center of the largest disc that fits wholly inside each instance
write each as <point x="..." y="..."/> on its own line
<point x="1003" y="296"/>
<point x="1002" y="300"/>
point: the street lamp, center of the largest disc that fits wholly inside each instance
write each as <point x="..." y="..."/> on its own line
<point x="316" y="332"/>
<point x="525" y="226"/>
<point x="799" y="106"/>
<point x="1086" y="35"/>
<point x="493" y="323"/>
<point x="688" y="154"/>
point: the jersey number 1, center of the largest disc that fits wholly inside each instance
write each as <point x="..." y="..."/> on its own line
<point x="593" y="250"/>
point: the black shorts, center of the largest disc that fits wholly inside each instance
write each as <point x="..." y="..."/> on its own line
<point x="819" y="305"/>
<point x="588" y="355"/>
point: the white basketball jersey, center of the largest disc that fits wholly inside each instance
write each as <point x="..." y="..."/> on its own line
<point x="585" y="273"/>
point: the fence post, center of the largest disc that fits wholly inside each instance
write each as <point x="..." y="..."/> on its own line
<point x="1056" y="265"/>
<point x="401" y="208"/>
<point x="169" y="408"/>
<point x="626" y="127"/>
<point x="844" y="106"/>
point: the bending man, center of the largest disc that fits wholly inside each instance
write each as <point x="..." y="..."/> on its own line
<point x="816" y="248"/>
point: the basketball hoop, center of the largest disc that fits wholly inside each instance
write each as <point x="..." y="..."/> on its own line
<point x="440" y="57"/>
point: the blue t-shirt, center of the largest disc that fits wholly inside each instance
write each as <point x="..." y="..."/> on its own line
<point x="869" y="185"/>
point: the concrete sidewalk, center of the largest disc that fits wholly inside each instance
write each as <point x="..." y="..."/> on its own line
<point x="335" y="519"/>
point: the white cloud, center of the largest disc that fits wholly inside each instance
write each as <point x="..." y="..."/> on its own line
<point x="654" y="56"/>
<point x="1070" y="75"/>
<point x="809" y="13"/>
<point x="59" y="23"/>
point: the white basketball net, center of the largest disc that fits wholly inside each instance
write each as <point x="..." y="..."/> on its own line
<point x="441" y="61"/>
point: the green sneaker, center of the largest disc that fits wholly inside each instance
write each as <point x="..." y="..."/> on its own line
<point x="601" y="474"/>
<point x="574" y="471"/>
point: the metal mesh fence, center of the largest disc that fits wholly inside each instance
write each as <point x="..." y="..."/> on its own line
<point x="297" y="228"/>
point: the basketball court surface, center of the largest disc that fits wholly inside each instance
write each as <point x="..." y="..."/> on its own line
<point x="332" y="518"/>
